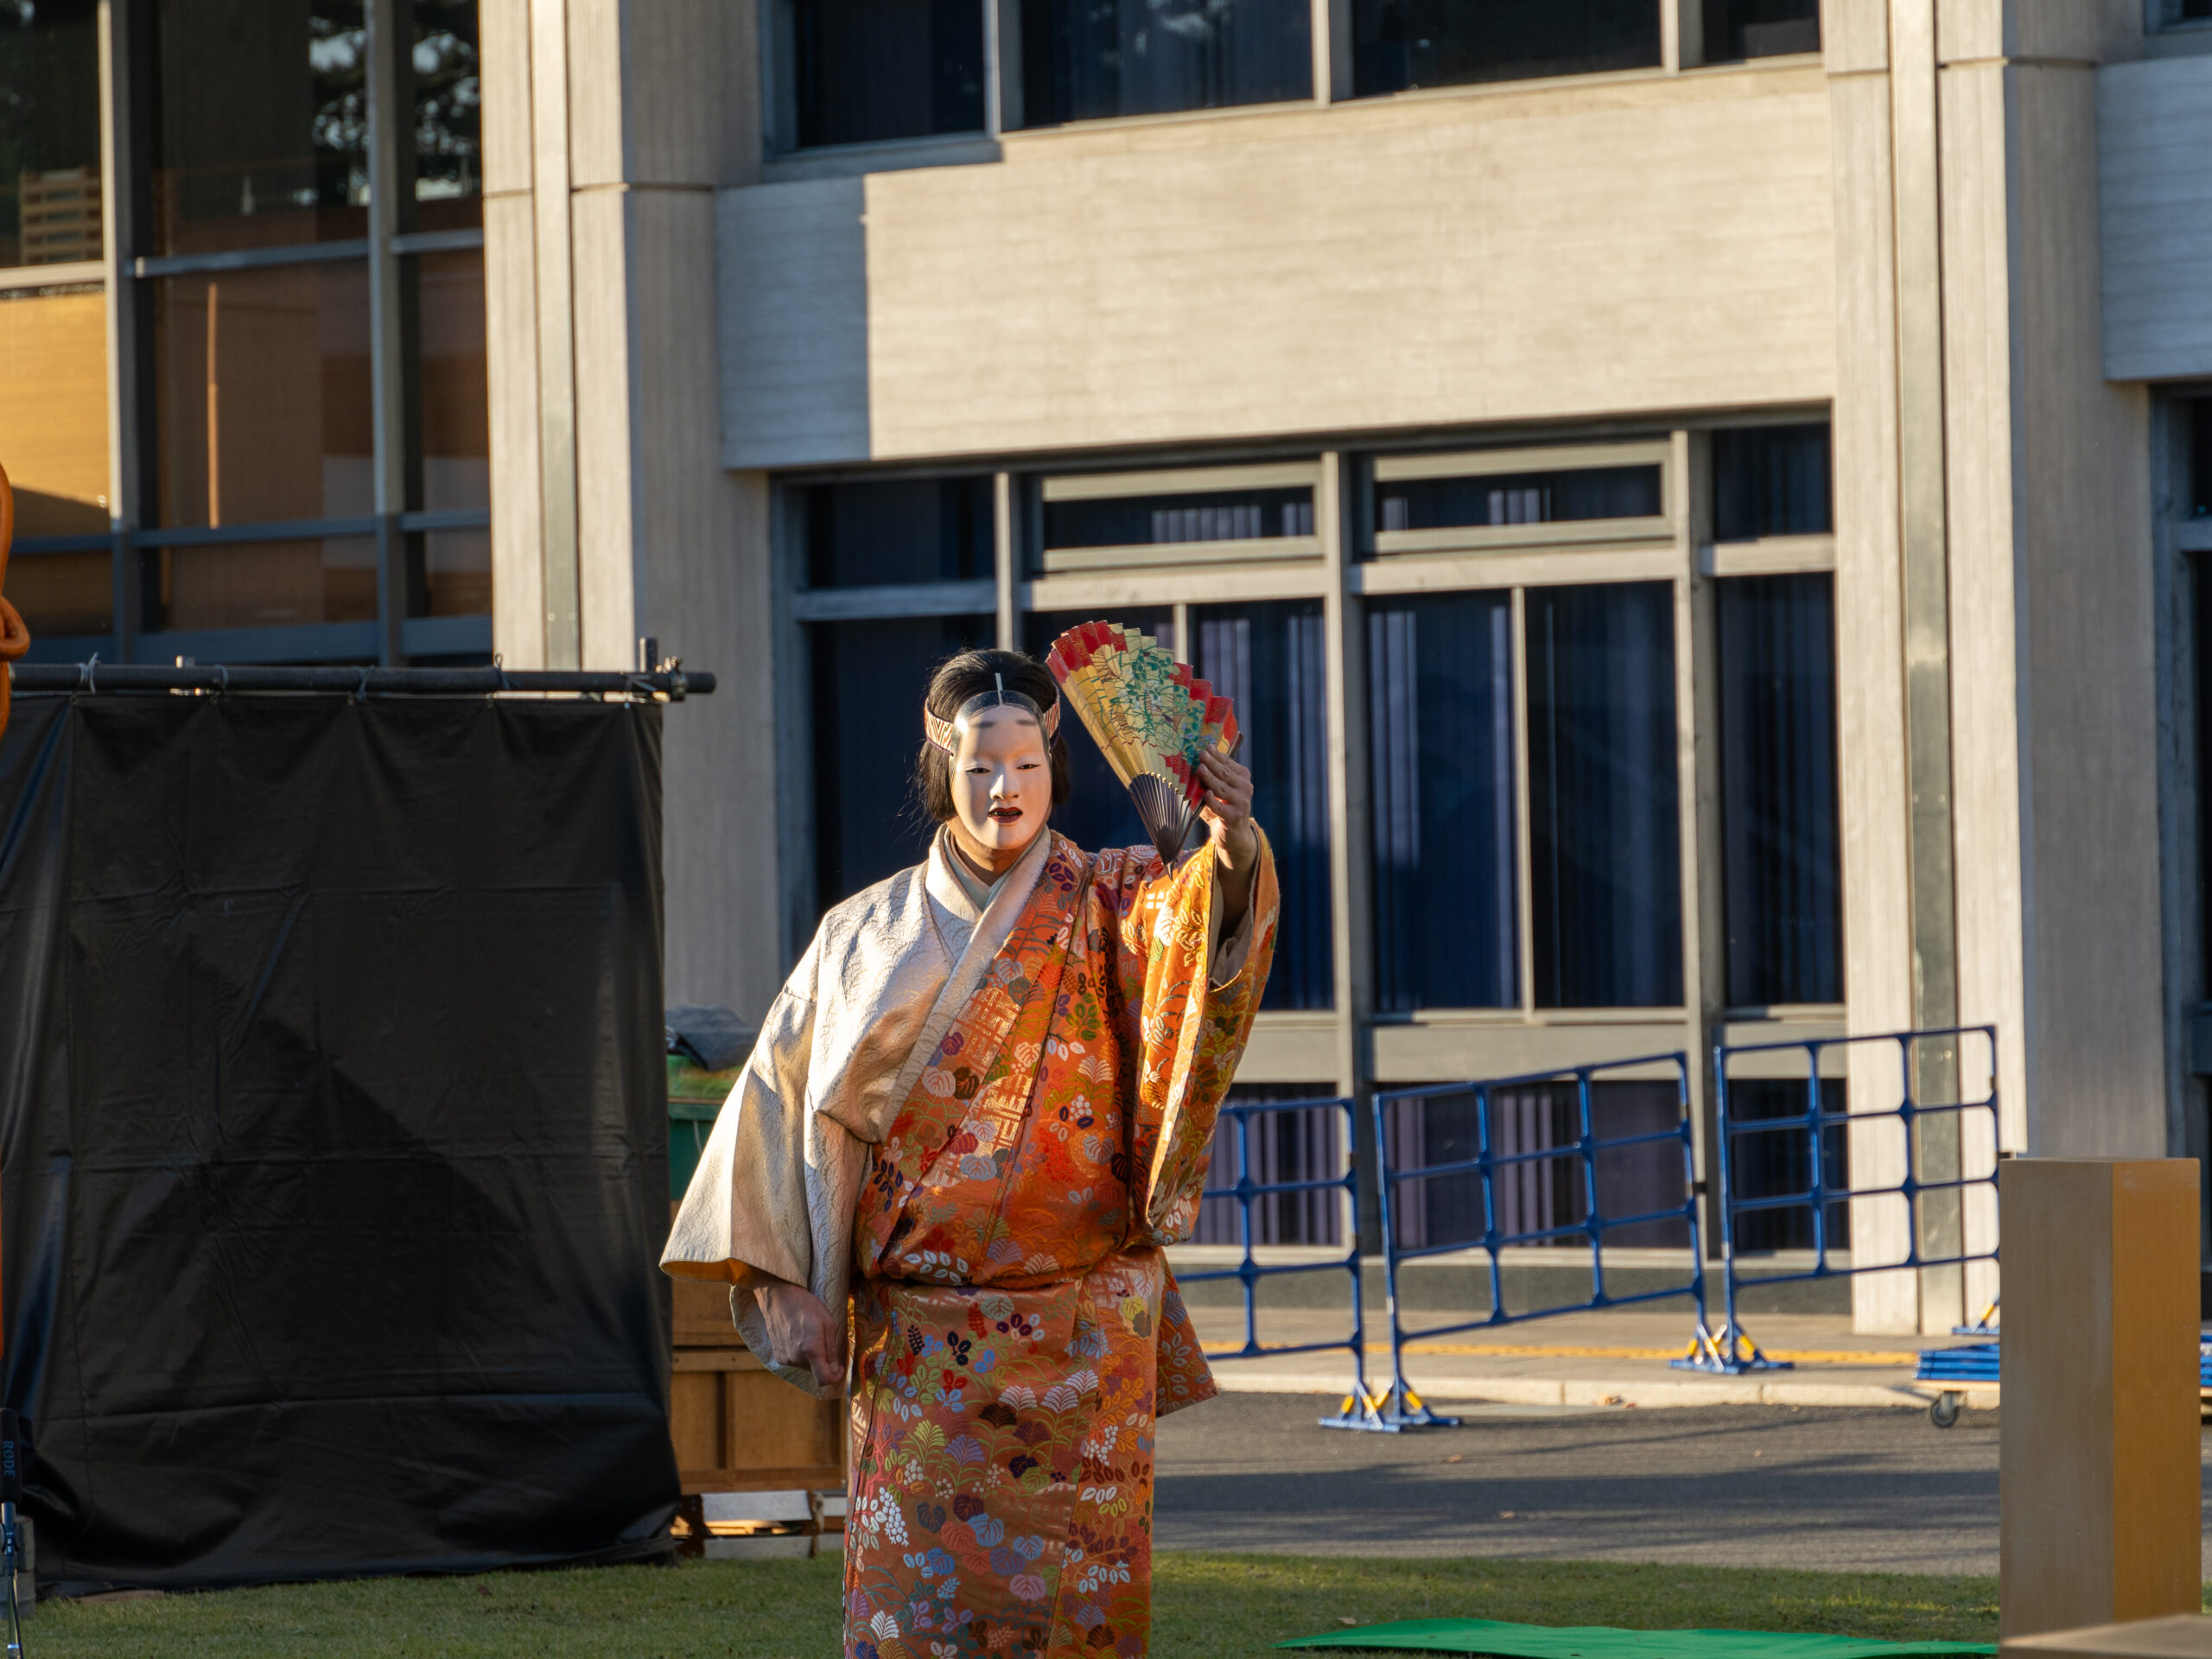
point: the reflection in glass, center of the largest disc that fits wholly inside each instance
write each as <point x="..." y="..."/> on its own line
<point x="453" y="387"/>
<point x="49" y="131"/>
<point x="260" y="137"/>
<point x="868" y="680"/>
<point x="54" y="418"/>
<point x="1267" y="659"/>
<point x="441" y="69"/>
<point x="870" y="70"/>
<point x="1081" y="60"/>
<point x="291" y="583"/>
<point x="2199" y="416"/>
<point x="262" y="392"/>
<point x="1563" y="496"/>
<point x="1782" y="862"/>
<point x="1440" y="703"/>
<point x="1400" y="44"/>
<point x="1605" y="860"/>
<point x="899" y="530"/>
<point x="1770" y="480"/>
<point x="61" y="594"/>
<point x="1098" y="812"/>
<point x="1735" y="29"/>
<point x="1158" y="520"/>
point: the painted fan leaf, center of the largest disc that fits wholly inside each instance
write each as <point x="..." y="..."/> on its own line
<point x="1151" y="720"/>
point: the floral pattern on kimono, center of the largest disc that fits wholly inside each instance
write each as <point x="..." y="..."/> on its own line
<point x="1017" y="1331"/>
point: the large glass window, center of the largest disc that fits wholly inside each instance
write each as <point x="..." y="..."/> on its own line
<point x="293" y="582"/>
<point x="49" y="131"/>
<point x="1736" y="29"/>
<point x="900" y="530"/>
<point x="1565" y="496"/>
<point x="444" y="93"/>
<point x="868" y="679"/>
<point x="1267" y="659"/>
<point x="1779" y="1163"/>
<point x="261" y="134"/>
<point x="1782" y="870"/>
<point x="864" y="71"/>
<point x="263" y="389"/>
<point x="1605" y="863"/>
<point x="1770" y="480"/>
<point x="1217" y="514"/>
<point x="1400" y="44"/>
<point x="1084" y="58"/>
<point x="1440" y="753"/>
<point x="54" y="418"/>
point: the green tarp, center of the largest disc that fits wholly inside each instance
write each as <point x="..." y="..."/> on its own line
<point x="1489" y="1636"/>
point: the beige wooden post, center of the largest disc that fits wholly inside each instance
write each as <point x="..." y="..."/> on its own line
<point x="2099" y="1496"/>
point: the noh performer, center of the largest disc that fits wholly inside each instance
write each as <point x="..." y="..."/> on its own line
<point x="978" y="1109"/>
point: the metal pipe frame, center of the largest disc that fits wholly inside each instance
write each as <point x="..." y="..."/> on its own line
<point x="1401" y="1408"/>
<point x="1729" y="1351"/>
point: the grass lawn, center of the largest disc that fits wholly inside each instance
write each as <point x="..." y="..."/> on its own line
<point x="1207" y="1607"/>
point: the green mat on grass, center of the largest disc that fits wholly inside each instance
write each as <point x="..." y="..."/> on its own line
<point x="1494" y="1637"/>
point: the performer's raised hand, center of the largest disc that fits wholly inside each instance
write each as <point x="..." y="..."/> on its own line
<point x="801" y="1334"/>
<point x="1227" y="815"/>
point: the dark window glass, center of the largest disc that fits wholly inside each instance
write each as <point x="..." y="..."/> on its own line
<point x="1518" y="498"/>
<point x="49" y="131"/>
<point x="1153" y="520"/>
<point x="2201" y="571"/>
<point x="1781" y="864"/>
<point x="60" y="593"/>
<point x="261" y="394"/>
<point x="869" y="70"/>
<point x="868" y="680"/>
<point x="1304" y="1144"/>
<point x="1398" y="45"/>
<point x="453" y="390"/>
<point x="1735" y="29"/>
<point x="261" y="134"/>
<point x="446" y="96"/>
<point x="2200" y="453"/>
<point x="901" y="530"/>
<point x="54" y="416"/>
<point x="262" y="584"/>
<point x="1770" y="480"/>
<point x="1603" y="838"/>
<point x="1779" y="1163"/>
<point x="1098" y="812"/>
<point x="1084" y="58"/>
<point x="1267" y="659"/>
<point x="1544" y="1200"/>
<point x="1440" y="713"/>
<point x="2192" y="11"/>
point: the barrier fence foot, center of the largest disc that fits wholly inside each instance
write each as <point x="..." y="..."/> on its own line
<point x="1361" y="1411"/>
<point x="1727" y="1352"/>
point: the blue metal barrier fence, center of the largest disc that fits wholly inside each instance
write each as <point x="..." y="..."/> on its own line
<point x="1504" y="1161"/>
<point x="1932" y="1053"/>
<point x="1237" y="1116"/>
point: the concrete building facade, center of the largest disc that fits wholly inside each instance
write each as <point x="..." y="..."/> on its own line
<point x="1701" y="502"/>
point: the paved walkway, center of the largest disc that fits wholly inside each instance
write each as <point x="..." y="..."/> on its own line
<point x="1764" y="1486"/>
<point x="1611" y="1357"/>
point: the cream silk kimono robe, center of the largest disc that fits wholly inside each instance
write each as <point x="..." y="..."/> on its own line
<point x="976" y="1131"/>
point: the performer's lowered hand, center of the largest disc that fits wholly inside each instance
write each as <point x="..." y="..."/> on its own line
<point x="801" y="1334"/>
<point x="1228" y="814"/>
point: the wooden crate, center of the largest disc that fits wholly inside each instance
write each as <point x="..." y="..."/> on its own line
<point x="739" y="1428"/>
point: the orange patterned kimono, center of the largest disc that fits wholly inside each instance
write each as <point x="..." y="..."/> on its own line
<point x="1017" y="1327"/>
<point x="978" y="1141"/>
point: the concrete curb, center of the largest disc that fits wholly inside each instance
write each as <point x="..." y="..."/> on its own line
<point x="1647" y="1392"/>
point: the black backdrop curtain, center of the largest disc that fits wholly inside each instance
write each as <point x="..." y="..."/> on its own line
<point x="332" y="1124"/>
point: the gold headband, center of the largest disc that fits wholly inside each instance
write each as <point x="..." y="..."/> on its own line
<point x="945" y="734"/>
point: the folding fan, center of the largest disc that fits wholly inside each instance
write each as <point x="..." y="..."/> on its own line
<point x="1152" y="722"/>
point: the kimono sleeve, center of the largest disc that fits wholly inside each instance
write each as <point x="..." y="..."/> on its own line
<point x="777" y="1182"/>
<point x="1200" y="992"/>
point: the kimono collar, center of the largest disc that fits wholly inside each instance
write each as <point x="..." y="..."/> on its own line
<point x="946" y="884"/>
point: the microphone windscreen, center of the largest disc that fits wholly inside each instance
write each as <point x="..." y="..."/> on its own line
<point x="11" y="1458"/>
